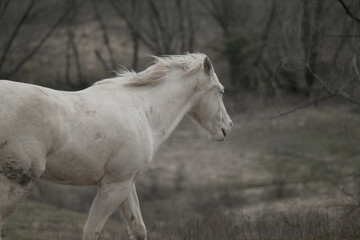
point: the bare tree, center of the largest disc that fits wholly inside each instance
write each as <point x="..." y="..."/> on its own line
<point x="9" y="44"/>
<point x="130" y="13"/>
<point x="72" y="50"/>
<point x="15" y="32"/>
<point x="244" y="58"/>
<point x="134" y="35"/>
<point x="164" y="27"/>
<point x="105" y="36"/>
<point x="225" y="14"/>
<point x="310" y="21"/>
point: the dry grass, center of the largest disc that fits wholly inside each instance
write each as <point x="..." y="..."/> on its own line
<point x="309" y="225"/>
<point x="39" y="221"/>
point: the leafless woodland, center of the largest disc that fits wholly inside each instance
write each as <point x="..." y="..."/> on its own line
<point x="290" y="168"/>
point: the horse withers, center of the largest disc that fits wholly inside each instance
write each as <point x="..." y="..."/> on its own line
<point x="105" y="135"/>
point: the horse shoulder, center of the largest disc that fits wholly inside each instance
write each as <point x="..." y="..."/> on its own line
<point x="136" y="149"/>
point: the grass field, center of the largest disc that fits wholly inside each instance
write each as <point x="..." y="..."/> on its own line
<point x="40" y="221"/>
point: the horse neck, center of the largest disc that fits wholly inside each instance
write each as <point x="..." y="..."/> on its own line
<point x="166" y="105"/>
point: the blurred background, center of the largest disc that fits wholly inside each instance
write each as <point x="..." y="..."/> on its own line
<point x="290" y="167"/>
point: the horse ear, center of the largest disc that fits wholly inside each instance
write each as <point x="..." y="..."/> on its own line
<point x="207" y="65"/>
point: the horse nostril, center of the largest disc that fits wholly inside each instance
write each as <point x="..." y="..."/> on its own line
<point x="231" y="123"/>
<point x="224" y="133"/>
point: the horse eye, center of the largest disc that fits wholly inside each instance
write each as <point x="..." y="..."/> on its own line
<point x="222" y="92"/>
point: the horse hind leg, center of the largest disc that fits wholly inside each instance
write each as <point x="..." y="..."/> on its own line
<point x="11" y="196"/>
<point x="16" y="180"/>
<point x="130" y="209"/>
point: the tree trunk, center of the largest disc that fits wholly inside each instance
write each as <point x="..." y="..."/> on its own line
<point x="306" y="42"/>
<point x="310" y="31"/>
<point x="135" y="59"/>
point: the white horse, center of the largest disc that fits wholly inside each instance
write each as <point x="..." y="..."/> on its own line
<point x="105" y="135"/>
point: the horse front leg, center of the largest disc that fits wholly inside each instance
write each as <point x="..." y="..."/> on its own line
<point x="108" y="198"/>
<point x="130" y="209"/>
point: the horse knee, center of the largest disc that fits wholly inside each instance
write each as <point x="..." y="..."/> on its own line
<point x="37" y="169"/>
<point x="141" y="237"/>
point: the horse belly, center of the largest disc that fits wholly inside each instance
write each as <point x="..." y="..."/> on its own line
<point x="73" y="170"/>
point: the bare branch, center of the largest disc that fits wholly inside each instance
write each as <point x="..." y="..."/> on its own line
<point x="105" y="34"/>
<point x="15" y="32"/>
<point x="305" y="105"/>
<point x="331" y="91"/>
<point x="356" y="69"/>
<point x="305" y="34"/>
<point x="265" y="36"/>
<point x="342" y="36"/>
<point x="101" y="60"/>
<point x="348" y="12"/>
<point x="218" y="10"/>
<point x="130" y="24"/>
<point x="40" y="43"/>
<point x="191" y="37"/>
<point x="135" y="8"/>
<point x="67" y="61"/>
<point x="287" y="221"/>
<point x="165" y="27"/>
<point x="72" y="44"/>
<point x="3" y="6"/>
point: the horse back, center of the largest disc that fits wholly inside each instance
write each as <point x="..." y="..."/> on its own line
<point x="21" y="108"/>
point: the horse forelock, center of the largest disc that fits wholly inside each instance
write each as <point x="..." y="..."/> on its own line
<point x="155" y="74"/>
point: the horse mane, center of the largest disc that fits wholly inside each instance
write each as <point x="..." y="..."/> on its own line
<point x="153" y="75"/>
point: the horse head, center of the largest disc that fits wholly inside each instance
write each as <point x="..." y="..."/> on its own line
<point x="209" y="110"/>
